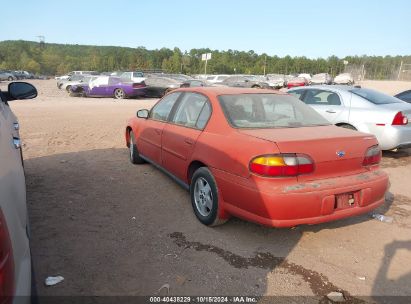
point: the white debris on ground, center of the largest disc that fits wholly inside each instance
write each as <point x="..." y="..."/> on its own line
<point x="336" y="296"/>
<point x="50" y="281"/>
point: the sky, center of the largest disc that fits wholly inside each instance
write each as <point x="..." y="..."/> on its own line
<point x="313" y="28"/>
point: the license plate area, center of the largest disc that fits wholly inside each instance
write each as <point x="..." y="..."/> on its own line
<point x="347" y="200"/>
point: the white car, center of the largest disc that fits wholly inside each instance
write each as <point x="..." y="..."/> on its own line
<point x="216" y="78"/>
<point x="15" y="257"/>
<point x="344" y="78"/>
<point x="365" y="110"/>
<point x="322" y="78"/>
<point x="136" y="77"/>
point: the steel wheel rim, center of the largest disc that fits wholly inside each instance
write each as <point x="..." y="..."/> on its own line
<point x="119" y="94"/>
<point x="203" y="197"/>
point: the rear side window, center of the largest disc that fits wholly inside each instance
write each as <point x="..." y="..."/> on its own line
<point x="261" y="111"/>
<point x="162" y="109"/>
<point x="189" y="111"/>
<point x="297" y="93"/>
<point x="321" y="97"/>
<point x="374" y="96"/>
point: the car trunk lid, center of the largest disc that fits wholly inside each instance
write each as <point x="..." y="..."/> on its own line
<point x="335" y="151"/>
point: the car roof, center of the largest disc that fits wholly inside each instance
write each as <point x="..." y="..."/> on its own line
<point x="326" y="87"/>
<point x="221" y="90"/>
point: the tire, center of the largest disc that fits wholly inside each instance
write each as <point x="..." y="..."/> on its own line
<point x="204" y="197"/>
<point x="10" y="78"/>
<point x="119" y="94"/>
<point x="134" y="156"/>
<point x="256" y="87"/>
<point x="68" y="89"/>
<point x="347" y="126"/>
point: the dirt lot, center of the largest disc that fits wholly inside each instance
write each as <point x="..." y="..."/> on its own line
<point x="111" y="228"/>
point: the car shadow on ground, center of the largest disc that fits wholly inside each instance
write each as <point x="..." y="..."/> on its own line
<point x="392" y="159"/>
<point x="112" y="228"/>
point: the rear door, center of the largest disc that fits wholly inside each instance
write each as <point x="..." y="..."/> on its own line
<point x="149" y="137"/>
<point x="328" y="104"/>
<point x="180" y="135"/>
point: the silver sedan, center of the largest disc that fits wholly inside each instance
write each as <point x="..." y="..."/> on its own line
<point x="365" y="110"/>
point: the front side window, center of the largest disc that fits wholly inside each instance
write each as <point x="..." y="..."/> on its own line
<point x="189" y="109"/>
<point x="162" y="109"/>
<point x="321" y="97"/>
<point x="259" y="111"/>
<point x="297" y="93"/>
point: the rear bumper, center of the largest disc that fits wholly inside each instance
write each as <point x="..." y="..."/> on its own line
<point x="137" y="92"/>
<point x="392" y="137"/>
<point x="274" y="204"/>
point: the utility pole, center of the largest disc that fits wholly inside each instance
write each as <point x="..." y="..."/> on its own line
<point x="399" y="71"/>
<point x="265" y="63"/>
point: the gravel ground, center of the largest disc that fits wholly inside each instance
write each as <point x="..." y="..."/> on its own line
<point x="111" y="228"/>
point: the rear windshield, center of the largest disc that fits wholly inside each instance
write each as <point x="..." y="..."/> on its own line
<point x="374" y="96"/>
<point x="259" y="111"/>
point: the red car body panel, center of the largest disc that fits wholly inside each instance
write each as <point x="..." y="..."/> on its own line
<point x="296" y="84"/>
<point x="289" y="201"/>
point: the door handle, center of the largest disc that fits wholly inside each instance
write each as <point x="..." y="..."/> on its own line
<point x="330" y="111"/>
<point x="189" y="141"/>
<point x="157" y="131"/>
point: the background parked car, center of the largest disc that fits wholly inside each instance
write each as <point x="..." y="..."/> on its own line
<point x="297" y="82"/>
<point x="322" y="78"/>
<point x="15" y="257"/>
<point x="5" y="75"/>
<point x="365" y="110"/>
<point x="344" y="78"/>
<point x="245" y="81"/>
<point x="405" y="96"/>
<point x="76" y="80"/>
<point x="306" y="76"/>
<point x="135" y="77"/>
<point x="108" y="86"/>
<point x="158" y="86"/>
<point x="195" y="83"/>
<point x="216" y="78"/>
<point x="276" y="81"/>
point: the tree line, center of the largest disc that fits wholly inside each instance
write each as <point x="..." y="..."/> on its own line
<point x="58" y="59"/>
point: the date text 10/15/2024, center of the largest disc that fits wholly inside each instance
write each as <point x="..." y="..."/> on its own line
<point x="203" y="299"/>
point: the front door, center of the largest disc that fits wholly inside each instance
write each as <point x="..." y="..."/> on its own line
<point x="149" y="136"/>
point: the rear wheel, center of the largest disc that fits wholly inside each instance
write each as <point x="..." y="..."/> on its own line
<point x="68" y="89"/>
<point x="119" y="94"/>
<point x="204" y="197"/>
<point x="256" y="87"/>
<point x="10" y="78"/>
<point x="134" y="155"/>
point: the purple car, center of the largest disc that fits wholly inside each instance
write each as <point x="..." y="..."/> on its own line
<point x="107" y="86"/>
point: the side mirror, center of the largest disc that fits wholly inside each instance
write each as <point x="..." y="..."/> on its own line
<point x="142" y="113"/>
<point x="21" y="90"/>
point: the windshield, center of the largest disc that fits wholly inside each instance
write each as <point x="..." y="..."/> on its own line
<point x="374" y="96"/>
<point x="268" y="111"/>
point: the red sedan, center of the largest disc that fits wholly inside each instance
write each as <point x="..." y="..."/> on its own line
<point x="297" y="82"/>
<point x="260" y="155"/>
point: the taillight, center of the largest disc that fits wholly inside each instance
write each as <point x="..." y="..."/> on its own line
<point x="400" y="119"/>
<point x="282" y="165"/>
<point x="139" y="85"/>
<point x="372" y="156"/>
<point x="6" y="264"/>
